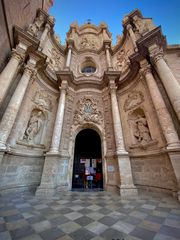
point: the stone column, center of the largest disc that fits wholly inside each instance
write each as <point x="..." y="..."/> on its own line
<point x="126" y="185"/>
<point x="133" y="37"/>
<point x="14" y="106"/>
<point x="108" y="58"/>
<point x="56" y="138"/>
<point x="53" y="158"/>
<point x="165" y="120"/>
<point x="68" y="60"/>
<point x="163" y="115"/>
<point x="169" y="81"/>
<point x="44" y="35"/>
<point x="9" y="72"/>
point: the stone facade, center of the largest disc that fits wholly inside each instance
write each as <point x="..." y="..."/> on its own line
<point x="127" y="93"/>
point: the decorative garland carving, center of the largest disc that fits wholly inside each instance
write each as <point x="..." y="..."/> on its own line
<point x="134" y="99"/>
<point x="43" y="100"/>
<point x="87" y="111"/>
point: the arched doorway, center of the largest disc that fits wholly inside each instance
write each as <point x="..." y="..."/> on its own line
<point x="87" y="167"/>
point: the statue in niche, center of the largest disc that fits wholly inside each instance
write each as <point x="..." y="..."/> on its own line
<point x="134" y="99"/>
<point x="35" y="125"/>
<point x="122" y="62"/>
<point x="37" y="25"/>
<point x="141" y="130"/>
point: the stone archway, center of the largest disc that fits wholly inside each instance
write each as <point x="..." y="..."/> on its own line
<point x="87" y="164"/>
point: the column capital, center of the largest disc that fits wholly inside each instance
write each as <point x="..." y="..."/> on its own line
<point x="129" y="27"/>
<point x="64" y="86"/>
<point x="156" y="53"/>
<point x="112" y="86"/>
<point x="145" y="68"/>
<point x="18" y="54"/>
<point x="28" y="70"/>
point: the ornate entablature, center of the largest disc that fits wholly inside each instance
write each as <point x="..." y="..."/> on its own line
<point x="87" y="112"/>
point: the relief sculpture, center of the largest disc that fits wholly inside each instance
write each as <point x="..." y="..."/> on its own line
<point x="36" y="26"/>
<point x="54" y="62"/>
<point x="141" y="130"/>
<point x="122" y="63"/>
<point x="34" y="126"/>
<point x="87" y="111"/>
<point x="134" y="99"/>
<point x="43" y="100"/>
<point x="139" y="127"/>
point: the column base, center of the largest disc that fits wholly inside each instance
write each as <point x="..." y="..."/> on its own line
<point x="178" y="195"/>
<point x="45" y="192"/>
<point x="128" y="191"/>
<point x="1" y="156"/>
<point x="3" y="146"/>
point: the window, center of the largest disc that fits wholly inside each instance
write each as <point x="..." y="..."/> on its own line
<point x="88" y="69"/>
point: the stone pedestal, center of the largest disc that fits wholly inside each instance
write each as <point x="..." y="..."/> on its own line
<point x="48" y="184"/>
<point x="174" y="156"/>
<point x="127" y="187"/>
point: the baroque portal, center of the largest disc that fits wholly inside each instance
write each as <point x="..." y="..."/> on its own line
<point x="128" y="92"/>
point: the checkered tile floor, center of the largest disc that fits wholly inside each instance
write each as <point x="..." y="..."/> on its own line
<point x="89" y="216"/>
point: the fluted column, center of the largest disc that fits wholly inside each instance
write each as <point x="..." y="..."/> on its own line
<point x="56" y="138"/>
<point x="14" y="106"/>
<point x="133" y="37"/>
<point x="163" y="115"/>
<point x="126" y="181"/>
<point x="169" y="81"/>
<point x="108" y="58"/>
<point x="10" y="71"/>
<point x="44" y="35"/>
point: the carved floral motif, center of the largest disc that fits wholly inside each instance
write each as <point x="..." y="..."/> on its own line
<point x="134" y="99"/>
<point x="43" y="100"/>
<point x="87" y="111"/>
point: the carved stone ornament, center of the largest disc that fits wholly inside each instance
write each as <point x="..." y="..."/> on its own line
<point x="87" y="111"/>
<point x="134" y="99"/>
<point x="34" y="126"/>
<point x="43" y="100"/>
<point x="36" y="26"/>
<point x="140" y="129"/>
<point x="88" y="43"/>
<point x="54" y="62"/>
<point x="142" y="25"/>
<point x="122" y="62"/>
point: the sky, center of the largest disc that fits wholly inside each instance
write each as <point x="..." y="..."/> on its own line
<point x="163" y="12"/>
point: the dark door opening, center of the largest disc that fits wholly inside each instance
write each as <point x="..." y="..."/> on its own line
<point x="87" y="168"/>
